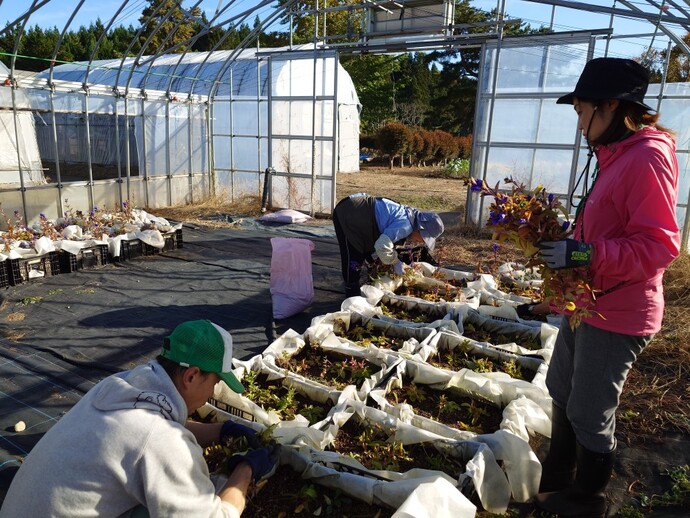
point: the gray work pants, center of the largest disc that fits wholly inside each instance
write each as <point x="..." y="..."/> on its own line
<point x="586" y="376"/>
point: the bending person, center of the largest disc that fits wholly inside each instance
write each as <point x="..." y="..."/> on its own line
<point x="365" y="225"/>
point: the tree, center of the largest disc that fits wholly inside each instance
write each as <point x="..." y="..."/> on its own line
<point x="373" y="79"/>
<point x="345" y="23"/>
<point x="393" y="140"/>
<point x="38" y="46"/>
<point x="678" y="66"/>
<point x="167" y="24"/>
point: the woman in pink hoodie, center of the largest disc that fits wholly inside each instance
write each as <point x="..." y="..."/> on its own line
<point x="626" y="232"/>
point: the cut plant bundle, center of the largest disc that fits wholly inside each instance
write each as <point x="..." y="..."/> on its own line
<point x="283" y="400"/>
<point x="331" y="369"/>
<point x="458" y="358"/>
<point x="376" y="449"/>
<point x="447" y="407"/>
<point x="527" y="217"/>
<point x="501" y="333"/>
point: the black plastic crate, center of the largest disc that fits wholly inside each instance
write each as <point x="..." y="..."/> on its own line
<point x="129" y="249"/>
<point x="89" y="257"/>
<point x="4" y="275"/>
<point x="225" y="407"/>
<point x="20" y="270"/>
<point x="171" y="241"/>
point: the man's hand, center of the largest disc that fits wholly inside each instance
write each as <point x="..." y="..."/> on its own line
<point x="232" y="429"/>
<point x="263" y="461"/>
<point x="567" y="253"/>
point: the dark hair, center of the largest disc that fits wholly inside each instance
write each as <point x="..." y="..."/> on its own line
<point x="628" y="118"/>
<point x="173" y="369"/>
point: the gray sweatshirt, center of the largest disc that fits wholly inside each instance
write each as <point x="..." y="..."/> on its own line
<point x="122" y="445"/>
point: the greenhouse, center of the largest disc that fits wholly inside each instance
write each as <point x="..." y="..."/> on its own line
<point x="425" y="393"/>
<point x="282" y="123"/>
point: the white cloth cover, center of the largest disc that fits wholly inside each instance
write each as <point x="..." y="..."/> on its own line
<point x="286" y="216"/>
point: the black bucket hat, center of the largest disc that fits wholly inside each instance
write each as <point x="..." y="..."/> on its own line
<point x="611" y="78"/>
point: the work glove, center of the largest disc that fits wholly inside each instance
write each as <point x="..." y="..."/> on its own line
<point x="263" y="461"/>
<point x="232" y="429"/>
<point x="385" y="249"/>
<point x="399" y="268"/>
<point x="567" y="253"/>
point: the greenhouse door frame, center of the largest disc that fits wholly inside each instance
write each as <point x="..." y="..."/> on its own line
<point x="493" y="108"/>
<point x="319" y="174"/>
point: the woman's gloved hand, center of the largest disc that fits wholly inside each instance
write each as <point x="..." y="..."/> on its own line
<point x="232" y="429"/>
<point x="567" y="253"/>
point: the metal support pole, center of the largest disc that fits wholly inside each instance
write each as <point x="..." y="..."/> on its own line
<point x="268" y="175"/>
<point x="87" y="127"/>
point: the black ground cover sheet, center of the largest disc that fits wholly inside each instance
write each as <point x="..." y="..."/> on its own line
<point x="62" y="334"/>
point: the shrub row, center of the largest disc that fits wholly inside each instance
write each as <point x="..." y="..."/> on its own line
<point x="417" y="146"/>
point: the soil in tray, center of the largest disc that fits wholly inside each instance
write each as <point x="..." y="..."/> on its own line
<point x="480" y="334"/>
<point x="366" y="335"/>
<point x="369" y="444"/>
<point x="285" y="494"/>
<point x="434" y="295"/>
<point x="285" y="401"/>
<point x="447" y="407"/>
<point x="415" y="315"/>
<point x="328" y="368"/>
<point x="457" y="359"/>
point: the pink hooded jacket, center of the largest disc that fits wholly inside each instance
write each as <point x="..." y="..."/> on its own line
<point x="630" y="220"/>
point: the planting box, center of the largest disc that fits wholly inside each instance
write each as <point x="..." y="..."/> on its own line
<point x="88" y="257"/>
<point x="129" y="249"/>
<point x="172" y="241"/>
<point x="31" y="269"/>
<point x="4" y="274"/>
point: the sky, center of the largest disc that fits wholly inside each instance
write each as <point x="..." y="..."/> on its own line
<point x="57" y="13"/>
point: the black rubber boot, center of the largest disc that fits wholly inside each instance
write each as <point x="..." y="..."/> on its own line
<point x="558" y="469"/>
<point x="586" y="497"/>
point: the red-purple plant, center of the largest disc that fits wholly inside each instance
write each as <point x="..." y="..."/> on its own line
<point x="526" y="217"/>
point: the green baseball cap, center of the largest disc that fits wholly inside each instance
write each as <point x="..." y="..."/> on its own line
<point x="202" y="344"/>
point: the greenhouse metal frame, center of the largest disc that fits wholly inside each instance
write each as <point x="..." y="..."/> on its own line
<point x="107" y="113"/>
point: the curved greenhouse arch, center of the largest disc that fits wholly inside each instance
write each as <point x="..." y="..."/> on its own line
<point x="161" y="128"/>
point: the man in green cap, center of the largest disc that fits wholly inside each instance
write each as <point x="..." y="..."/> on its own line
<point x="127" y="448"/>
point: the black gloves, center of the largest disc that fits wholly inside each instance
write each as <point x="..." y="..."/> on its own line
<point x="567" y="253"/>
<point x="263" y="461"/>
<point x="232" y="429"/>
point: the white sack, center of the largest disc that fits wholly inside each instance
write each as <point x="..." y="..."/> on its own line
<point x="286" y="216"/>
<point x="292" y="285"/>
